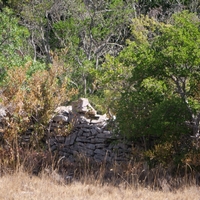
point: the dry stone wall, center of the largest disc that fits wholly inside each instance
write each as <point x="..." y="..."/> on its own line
<point x="88" y="136"/>
<point x="79" y="130"/>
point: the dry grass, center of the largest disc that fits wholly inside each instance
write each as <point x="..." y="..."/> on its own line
<point x="21" y="186"/>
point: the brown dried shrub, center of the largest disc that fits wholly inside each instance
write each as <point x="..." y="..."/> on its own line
<point x="30" y="101"/>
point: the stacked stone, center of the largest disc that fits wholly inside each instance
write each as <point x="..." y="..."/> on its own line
<point x="60" y="121"/>
<point x="91" y="142"/>
<point x="87" y="140"/>
<point x="89" y="137"/>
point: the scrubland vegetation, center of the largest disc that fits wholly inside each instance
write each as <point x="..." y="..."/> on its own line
<point x="137" y="61"/>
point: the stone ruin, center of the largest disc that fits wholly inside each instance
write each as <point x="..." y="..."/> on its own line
<point x="88" y="135"/>
<point x="79" y="130"/>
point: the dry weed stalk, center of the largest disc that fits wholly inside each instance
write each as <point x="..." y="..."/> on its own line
<point x="31" y="101"/>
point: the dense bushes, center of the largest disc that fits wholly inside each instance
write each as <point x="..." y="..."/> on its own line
<point x="161" y="98"/>
<point x="30" y="101"/>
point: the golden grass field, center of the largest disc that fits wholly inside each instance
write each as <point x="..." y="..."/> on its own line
<point x="21" y="186"/>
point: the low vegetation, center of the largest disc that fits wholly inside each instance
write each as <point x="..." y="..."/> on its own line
<point x="23" y="186"/>
<point x="138" y="61"/>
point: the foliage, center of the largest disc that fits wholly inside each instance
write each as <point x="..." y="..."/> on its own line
<point x="162" y="9"/>
<point x="165" y="70"/>
<point x="12" y="41"/>
<point x="167" y="119"/>
<point x="34" y="16"/>
<point x="90" y="30"/>
<point x="161" y="154"/>
<point x="31" y="101"/>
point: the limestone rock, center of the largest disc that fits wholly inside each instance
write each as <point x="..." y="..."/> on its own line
<point x="100" y="152"/>
<point x="91" y="146"/>
<point x="64" y="110"/>
<point x="70" y="139"/>
<point x="83" y="106"/>
<point x="60" y="118"/>
<point x="2" y="112"/>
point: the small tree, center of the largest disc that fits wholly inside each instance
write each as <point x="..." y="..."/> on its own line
<point x="177" y="60"/>
<point x="163" y="92"/>
<point x="12" y="42"/>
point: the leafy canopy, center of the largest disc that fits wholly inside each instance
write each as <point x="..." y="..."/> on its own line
<point x="165" y="62"/>
<point x="12" y="41"/>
